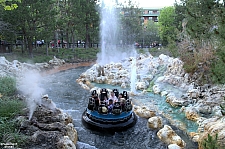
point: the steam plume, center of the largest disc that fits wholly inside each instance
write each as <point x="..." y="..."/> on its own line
<point x="29" y="86"/>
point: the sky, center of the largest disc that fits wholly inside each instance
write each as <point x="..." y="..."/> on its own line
<point x="155" y="3"/>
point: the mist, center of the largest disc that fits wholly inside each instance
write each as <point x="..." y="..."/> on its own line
<point x="29" y="86"/>
<point x="113" y="48"/>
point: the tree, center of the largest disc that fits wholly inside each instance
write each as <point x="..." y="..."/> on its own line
<point x="31" y="19"/>
<point x="203" y="37"/>
<point x="167" y="28"/>
<point x="180" y="10"/>
<point x="89" y="20"/>
<point x="200" y="18"/>
<point x="130" y="23"/>
<point x="8" y="5"/>
<point x="152" y="33"/>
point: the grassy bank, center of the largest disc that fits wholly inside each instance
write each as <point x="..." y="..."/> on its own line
<point x="10" y="108"/>
<point x="42" y="55"/>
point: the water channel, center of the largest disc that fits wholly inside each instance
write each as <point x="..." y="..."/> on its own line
<point x="71" y="98"/>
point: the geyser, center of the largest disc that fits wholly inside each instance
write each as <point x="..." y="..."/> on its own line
<point x="29" y="86"/>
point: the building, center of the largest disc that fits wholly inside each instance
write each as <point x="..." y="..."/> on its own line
<point x="150" y="14"/>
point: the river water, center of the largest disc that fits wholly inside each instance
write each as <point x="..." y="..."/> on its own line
<point x="62" y="88"/>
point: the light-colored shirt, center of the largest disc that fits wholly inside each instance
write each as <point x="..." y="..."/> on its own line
<point x="114" y="98"/>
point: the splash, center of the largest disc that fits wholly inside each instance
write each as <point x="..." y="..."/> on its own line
<point x="109" y="33"/>
<point x="112" y="47"/>
<point x="133" y="76"/>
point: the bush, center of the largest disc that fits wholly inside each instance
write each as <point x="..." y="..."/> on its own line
<point x="218" y="67"/>
<point x="10" y="133"/>
<point x="173" y="49"/>
<point x="210" y="142"/>
<point x="9" y="109"/>
<point x="7" y="86"/>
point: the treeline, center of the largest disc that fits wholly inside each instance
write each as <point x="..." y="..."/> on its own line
<point x="59" y="20"/>
<point x="49" y="20"/>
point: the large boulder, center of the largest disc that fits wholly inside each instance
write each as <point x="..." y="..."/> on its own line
<point x="191" y="113"/>
<point x="65" y="143"/>
<point x="168" y="135"/>
<point x="155" y="122"/>
<point x="144" y="111"/>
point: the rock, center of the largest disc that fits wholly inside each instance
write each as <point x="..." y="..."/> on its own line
<point x="141" y="85"/>
<point x="212" y="128"/>
<point x="174" y="146"/>
<point x="155" y="122"/>
<point x="194" y="136"/>
<point x="47" y="128"/>
<point x="191" y="113"/>
<point x="194" y="93"/>
<point x="65" y="143"/>
<point x="156" y="89"/>
<point x="45" y="138"/>
<point x="174" y="101"/>
<point x="144" y="112"/>
<point x="168" y="135"/>
<point x="71" y="133"/>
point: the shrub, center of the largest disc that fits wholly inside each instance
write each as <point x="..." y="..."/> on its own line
<point x="9" y="109"/>
<point x="217" y="67"/>
<point x="7" y="86"/>
<point x="41" y="59"/>
<point x="10" y="133"/>
<point x="210" y="142"/>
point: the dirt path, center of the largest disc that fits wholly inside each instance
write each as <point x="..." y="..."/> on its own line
<point x="66" y="67"/>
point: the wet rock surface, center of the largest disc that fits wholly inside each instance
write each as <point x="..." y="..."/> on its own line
<point x="48" y="128"/>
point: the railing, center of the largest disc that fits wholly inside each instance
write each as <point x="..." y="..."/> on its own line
<point x="7" y="48"/>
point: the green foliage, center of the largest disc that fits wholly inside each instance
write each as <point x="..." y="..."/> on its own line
<point x="201" y="19"/>
<point x="131" y="28"/>
<point x="173" y="49"/>
<point x="10" y="133"/>
<point x="32" y="20"/>
<point x="211" y="142"/>
<point x="8" y="5"/>
<point x="41" y="59"/>
<point x="150" y="87"/>
<point x="217" y="67"/>
<point x="7" y="86"/>
<point x="151" y="33"/>
<point x="166" y="24"/>
<point x="202" y="37"/>
<point x="9" y="108"/>
<point x="69" y="55"/>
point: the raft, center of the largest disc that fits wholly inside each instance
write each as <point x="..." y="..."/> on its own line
<point x="100" y="116"/>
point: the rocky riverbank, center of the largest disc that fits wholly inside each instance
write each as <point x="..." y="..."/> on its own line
<point x="165" y="75"/>
<point x="45" y="125"/>
<point x="162" y="75"/>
